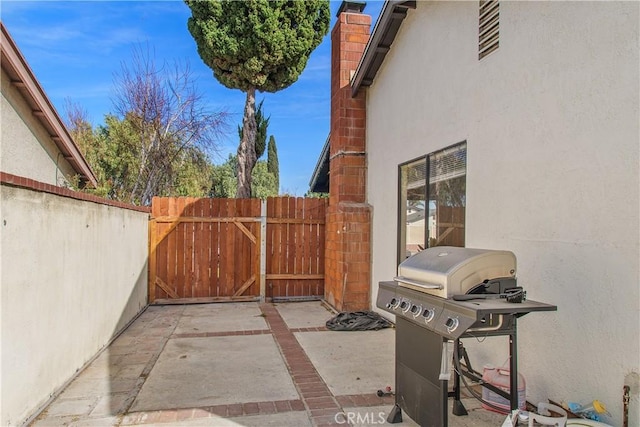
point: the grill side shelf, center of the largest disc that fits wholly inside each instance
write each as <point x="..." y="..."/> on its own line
<point x="502" y="306"/>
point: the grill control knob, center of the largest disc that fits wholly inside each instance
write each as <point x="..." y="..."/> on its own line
<point x="428" y="314"/>
<point x="415" y="310"/>
<point x="404" y="306"/>
<point x="451" y="324"/>
<point x="393" y="303"/>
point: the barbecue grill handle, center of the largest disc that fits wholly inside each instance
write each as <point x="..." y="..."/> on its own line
<point x="416" y="283"/>
<point x="468" y="297"/>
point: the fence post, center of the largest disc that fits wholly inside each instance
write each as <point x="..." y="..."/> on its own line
<point x="263" y="250"/>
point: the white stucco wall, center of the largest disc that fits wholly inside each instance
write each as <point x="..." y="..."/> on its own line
<point x="73" y="274"/>
<point x="552" y="130"/>
<point x="26" y="149"/>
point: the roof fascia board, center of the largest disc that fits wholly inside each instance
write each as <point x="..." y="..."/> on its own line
<point x="374" y="47"/>
<point x="45" y="111"/>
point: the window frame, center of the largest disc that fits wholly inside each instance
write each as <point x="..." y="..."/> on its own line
<point x="401" y="227"/>
<point x="401" y="223"/>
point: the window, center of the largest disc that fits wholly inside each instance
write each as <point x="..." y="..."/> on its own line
<point x="432" y="200"/>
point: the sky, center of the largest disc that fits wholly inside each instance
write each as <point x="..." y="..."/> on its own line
<point x="75" y="47"/>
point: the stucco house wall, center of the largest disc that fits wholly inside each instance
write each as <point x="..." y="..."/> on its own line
<point x="73" y="273"/>
<point x="35" y="142"/>
<point x="27" y="148"/>
<point x="551" y="125"/>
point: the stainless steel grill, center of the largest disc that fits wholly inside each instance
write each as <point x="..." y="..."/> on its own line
<point x="441" y="295"/>
<point x="445" y="271"/>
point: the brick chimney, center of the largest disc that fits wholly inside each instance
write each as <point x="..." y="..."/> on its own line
<point x="348" y="233"/>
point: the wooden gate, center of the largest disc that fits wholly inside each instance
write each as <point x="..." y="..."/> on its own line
<point x="203" y="250"/>
<point x="295" y="247"/>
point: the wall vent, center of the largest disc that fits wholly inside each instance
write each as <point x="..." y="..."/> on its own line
<point x="488" y="27"/>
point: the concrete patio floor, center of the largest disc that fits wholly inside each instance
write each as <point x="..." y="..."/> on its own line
<point x="238" y="364"/>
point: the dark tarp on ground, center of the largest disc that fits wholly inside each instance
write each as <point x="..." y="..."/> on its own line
<point x="358" y="321"/>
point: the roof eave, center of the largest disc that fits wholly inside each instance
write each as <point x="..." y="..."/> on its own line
<point x="21" y="75"/>
<point x="384" y="32"/>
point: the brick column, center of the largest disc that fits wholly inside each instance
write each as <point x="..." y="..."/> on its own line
<point x="348" y="243"/>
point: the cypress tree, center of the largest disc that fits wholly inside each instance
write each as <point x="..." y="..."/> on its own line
<point x="272" y="161"/>
<point x="256" y="45"/>
<point x="262" y="124"/>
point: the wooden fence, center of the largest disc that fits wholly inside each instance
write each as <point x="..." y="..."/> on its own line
<point x="449" y="226"/>
<point x="236" y="249"/>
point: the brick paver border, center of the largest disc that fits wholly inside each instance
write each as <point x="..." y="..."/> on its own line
<point x="314" y="329"/>
<point x="235" y="333"/>
<point x="321" y="404"/>
<point x="221" y="334"/>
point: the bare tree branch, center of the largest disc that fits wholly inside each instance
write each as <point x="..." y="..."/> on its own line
<point x="168" y="116"/>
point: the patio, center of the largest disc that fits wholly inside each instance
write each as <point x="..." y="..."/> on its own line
<point x="238" y="364"/>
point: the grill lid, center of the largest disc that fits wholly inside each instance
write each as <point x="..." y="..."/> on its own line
<point x="448" y="270"/>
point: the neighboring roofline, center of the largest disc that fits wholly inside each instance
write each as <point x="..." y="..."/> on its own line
<point x="322" y="168"/>
<point x="391" y="17"/>
<point x="15" y="65"/>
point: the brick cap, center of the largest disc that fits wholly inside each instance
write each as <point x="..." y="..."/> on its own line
<point x="42" y="187"/>
<point x="351" y="7"/>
